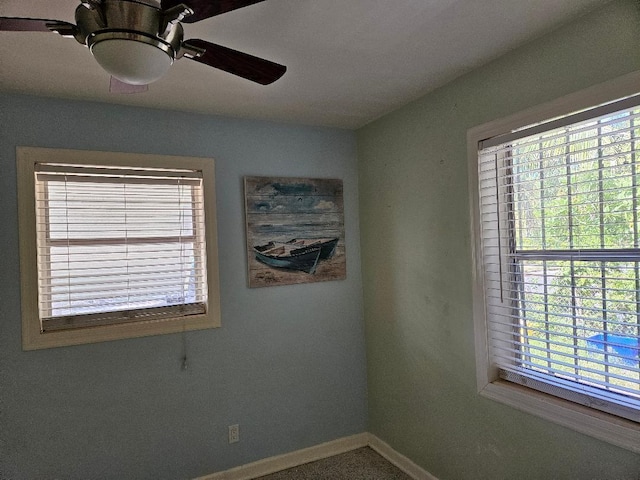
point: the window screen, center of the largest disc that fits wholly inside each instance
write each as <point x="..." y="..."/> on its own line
<point x="560" y="247"/>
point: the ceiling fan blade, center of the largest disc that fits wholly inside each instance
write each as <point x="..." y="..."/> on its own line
<point x="241" y="64"/>
<point x="207" y="8"/>
<point x="14" y="24"/>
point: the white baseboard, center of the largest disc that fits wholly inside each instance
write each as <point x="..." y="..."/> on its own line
<point x="403" y="463"/>
<point x="292" y="459"/>
<point x="318" y="452"/>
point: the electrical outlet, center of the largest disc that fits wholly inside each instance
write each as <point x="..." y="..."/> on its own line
<point x="234" y="433"/>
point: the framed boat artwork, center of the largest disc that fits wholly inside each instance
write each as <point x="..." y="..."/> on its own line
<point x="295" y="230"/>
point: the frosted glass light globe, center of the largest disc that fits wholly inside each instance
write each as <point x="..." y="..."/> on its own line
<point x="130" y="61"/>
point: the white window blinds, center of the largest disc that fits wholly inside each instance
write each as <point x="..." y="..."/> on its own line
<point x="561" y="257"/>
<point x="118" y="245"/>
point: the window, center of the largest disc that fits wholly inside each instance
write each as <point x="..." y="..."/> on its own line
<point x="115" y="246"/>
<point x="557" y="232"/>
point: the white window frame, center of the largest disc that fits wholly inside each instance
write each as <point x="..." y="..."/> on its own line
<point x="32" y="335"/>
<point x="604" y="426"/>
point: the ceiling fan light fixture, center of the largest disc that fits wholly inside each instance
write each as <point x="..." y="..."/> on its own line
<point x="132" y="58"/>
<point x="137" y="41"/>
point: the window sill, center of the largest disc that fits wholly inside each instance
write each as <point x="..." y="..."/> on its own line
<point x="600" y="425"/>
<point x="33" y="339"/>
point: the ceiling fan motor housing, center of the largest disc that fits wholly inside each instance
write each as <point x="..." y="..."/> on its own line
<point x="135" y="41"/>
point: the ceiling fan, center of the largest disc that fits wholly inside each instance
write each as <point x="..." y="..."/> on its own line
<point x="136" y="41"/>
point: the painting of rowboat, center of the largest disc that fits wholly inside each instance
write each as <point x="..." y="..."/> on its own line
<point x="295" y="230"/>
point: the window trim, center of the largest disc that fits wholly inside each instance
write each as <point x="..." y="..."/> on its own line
<point x="32" y="337"/>
<point x="610" y="428"/>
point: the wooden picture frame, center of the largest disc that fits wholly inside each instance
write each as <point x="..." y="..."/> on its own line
<point x="295" y="230"/>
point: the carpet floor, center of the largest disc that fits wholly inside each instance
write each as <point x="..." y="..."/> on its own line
<point x="360" y="464"/>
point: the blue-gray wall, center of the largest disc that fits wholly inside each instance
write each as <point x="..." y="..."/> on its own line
<point x="288" y="363"/>
<point x="414" y="206"/>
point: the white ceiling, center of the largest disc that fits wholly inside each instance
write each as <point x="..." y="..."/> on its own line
<point x="349" y="61"/>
